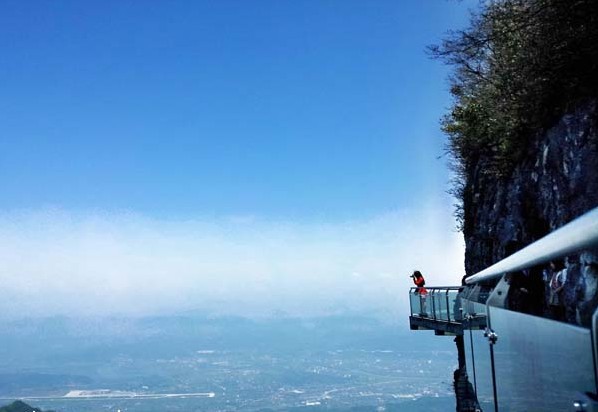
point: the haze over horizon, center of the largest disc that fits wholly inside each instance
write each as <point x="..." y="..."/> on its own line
<point x="59" y="263"/>
<point x="229" y="157"/>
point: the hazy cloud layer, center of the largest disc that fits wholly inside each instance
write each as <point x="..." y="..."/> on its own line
<point x="57" y="262"/>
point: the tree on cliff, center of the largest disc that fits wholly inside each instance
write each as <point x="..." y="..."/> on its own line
<point x="518" y="66"/>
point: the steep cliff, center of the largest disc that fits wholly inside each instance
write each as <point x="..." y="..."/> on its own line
<point x="523" y="137"/>
<point x="522" y="128"/>
<point x="555" y="182"/>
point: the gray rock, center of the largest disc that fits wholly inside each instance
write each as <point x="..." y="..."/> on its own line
<point x="555" y="182"/>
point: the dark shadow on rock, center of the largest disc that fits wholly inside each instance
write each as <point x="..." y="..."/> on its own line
<point x="464" y="392"/>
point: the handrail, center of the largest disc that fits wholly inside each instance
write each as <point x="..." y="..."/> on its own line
<point x="438" y="287"/>
<point x="577" y="235"/>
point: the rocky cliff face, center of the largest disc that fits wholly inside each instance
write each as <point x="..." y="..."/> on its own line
<point x="556" y="181"/>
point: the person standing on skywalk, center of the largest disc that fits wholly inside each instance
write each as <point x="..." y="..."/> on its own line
<point x="420" y="282"/>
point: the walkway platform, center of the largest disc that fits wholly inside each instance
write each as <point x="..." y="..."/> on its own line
<point x="440" y="310"/>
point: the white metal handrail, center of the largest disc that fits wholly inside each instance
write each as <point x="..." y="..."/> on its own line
<point x="579" y="234"/>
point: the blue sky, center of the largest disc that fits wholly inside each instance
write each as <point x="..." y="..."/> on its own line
<point x="274" y="108"/>
<point x="261" y="122"/>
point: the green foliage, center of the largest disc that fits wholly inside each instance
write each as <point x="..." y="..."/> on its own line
<point x="19" y="406"/>
<point x="519" y="66"/>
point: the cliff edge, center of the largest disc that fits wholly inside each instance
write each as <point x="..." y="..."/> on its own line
<point x="523" y="141"/>
<point x="555" y="182"/>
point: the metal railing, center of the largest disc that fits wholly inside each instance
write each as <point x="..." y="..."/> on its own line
<point x="440" y="303"/>
<point x="579" y="234"/>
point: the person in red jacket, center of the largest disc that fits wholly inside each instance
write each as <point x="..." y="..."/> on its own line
<point x="420" y="282"/>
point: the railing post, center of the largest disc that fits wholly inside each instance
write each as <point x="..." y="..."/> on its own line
<point x="433" y="303"/>
<point x="448" y="312"/>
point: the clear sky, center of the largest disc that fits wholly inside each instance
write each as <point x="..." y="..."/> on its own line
<point x="310" y="115"/>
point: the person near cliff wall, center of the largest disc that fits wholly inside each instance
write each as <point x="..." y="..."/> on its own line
<point x="589" y="293"/>
<point x="547" y="277"/>
<point x="557" y="281"/>
<point x="526" y="288"/>
<point x="573" y="291"/>
<point x="420" y="282"/>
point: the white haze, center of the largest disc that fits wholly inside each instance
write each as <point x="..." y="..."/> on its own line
<point x="104" y="264"/>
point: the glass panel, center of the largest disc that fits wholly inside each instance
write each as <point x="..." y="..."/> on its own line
<point x="434" y="301"/>
<point x="441" y="305"/>
<point x="478" y="309"/>
<point x="416" y="303"/>
<point x="477" y="353"/>
<point x="540" y="364"/>
<point x="454" y="306"/>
